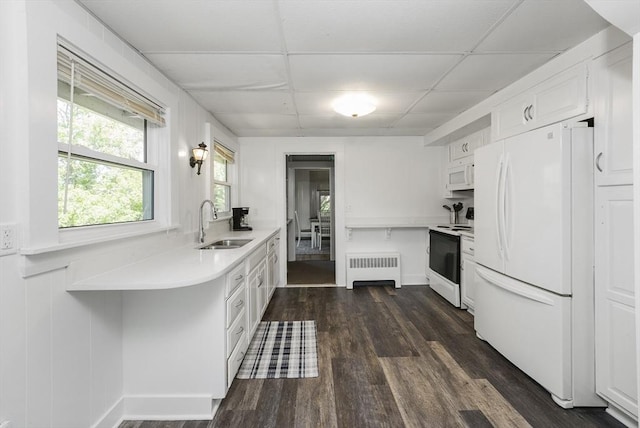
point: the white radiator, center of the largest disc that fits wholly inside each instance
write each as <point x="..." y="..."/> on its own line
<point x="373" y="267"/>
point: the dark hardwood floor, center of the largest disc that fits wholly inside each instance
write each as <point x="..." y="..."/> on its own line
<point x="391" y="358"/>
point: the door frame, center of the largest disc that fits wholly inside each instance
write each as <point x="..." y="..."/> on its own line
<point x="313" y="146"/>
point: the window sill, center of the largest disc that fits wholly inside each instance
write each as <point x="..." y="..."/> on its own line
<point x="43" y="249"/>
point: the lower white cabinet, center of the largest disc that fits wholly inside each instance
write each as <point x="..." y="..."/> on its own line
<point x="467" y="273"/>
<point x="256" y="266"/>
<point x="615" y="300"/>
<point x="273" y="256"/>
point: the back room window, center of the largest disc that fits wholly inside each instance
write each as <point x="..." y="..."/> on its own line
<point x="104" y="176"/>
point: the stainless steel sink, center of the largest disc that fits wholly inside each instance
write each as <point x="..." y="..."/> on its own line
<point x="226" y="244"/>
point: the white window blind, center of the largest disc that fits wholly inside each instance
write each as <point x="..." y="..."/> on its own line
<point x="109" y="89"/>
<point x="224" y="152"/>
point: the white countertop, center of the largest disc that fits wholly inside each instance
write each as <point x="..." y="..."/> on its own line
<point x="179" y="267"/>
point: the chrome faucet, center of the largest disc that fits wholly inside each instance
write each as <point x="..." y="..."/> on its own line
<point x="214" y="214"/>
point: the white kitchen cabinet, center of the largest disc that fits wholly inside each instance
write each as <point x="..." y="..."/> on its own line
<point x="257" y="285"/>
<point x="613" y="117"/>
<point x="459" y="173"/>
<point x="467" y="273"/>
<point x="615" y="299"/>
<point x="615" y="337"/>
<point x="464" y="147"/>
<point x="559" y="98"/>
<point x="273" y="256"/>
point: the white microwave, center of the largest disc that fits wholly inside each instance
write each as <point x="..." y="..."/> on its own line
<point x="460" y="177"/>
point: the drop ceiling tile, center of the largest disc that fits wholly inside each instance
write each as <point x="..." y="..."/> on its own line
<point x="545" y="25"/>
<point x="491" y="72"/>
<point x="273" y="102"/>
<point x="195" y="25"/>
<point x="423" y="120"/>
<point x="318" y="103"/>
<point x="449" y="102"/>
<point x="406" y="132"/>
<point x="344" y="132"/>
<point x="223" y="71"/>
<point x="336" y="120"/>
<point x="368" y="72"/>
<point x="387" y="26"/>
<point x="276" y="132"/>
<point x="258" y="121"/>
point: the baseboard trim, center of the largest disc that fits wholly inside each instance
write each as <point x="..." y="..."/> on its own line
<point x="113" y="417"/>
<point x="622" y="416"/>
<point x="414" y="280"/>
<point x="169" y="408"/>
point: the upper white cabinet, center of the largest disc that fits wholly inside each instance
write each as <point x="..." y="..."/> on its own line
<point x="613" y="118"/>
<point x="561" y="97"/>
<point x="464" y="147"/>
<point x="459" y="171"/>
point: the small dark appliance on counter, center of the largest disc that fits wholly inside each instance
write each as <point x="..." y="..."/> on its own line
<point x="239" y="220"/>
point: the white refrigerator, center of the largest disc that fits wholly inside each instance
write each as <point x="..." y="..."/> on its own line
<point x="534" y="254"/>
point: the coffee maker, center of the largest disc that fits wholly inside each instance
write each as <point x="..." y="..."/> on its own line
<point x="239" y="220"/>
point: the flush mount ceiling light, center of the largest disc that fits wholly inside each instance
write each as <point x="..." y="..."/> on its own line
<point x="354" y="105"/>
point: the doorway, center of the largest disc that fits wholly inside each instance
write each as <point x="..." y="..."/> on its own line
<point x="310" y="220"/>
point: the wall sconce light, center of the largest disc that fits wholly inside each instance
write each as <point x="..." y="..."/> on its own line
<point x="199" y="155"/>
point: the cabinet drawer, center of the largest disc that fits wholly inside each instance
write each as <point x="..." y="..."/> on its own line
<point x="272" y="242"/>
<point x="236" y="304"/>
<point x="256" y="257"/>
<point x="467" y="245"/>
<point x="235" y="360"/>
<point x="236" y="332"/>
<point x="235" y="278"/>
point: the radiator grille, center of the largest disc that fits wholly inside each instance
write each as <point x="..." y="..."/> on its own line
<point x="373" y="262"/>
<point x="373" y="267"/>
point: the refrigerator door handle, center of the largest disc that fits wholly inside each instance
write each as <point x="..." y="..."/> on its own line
<point x="506" y="190"/>
<point x="499" y="205"/>
<point x="529" y="293"/>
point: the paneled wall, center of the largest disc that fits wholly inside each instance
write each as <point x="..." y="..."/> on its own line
<point x="61" y="353"/>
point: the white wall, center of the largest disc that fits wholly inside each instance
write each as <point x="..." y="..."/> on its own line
<point x="378" y="179"/>
<point x="61" y="353"/>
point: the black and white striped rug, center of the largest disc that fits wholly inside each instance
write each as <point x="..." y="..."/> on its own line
<point x="281" y="349"/>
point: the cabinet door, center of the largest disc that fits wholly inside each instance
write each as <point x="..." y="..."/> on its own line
<point x="614" y="292"/>
<point x="467" y="284"/>
<point x="462" y="150"/>
<point x="560" y="97"/>
<point x="457" y="150"/>
<point x="253" y="316"/>
<point x="613" y="118"/>
<point x="263" y="288"/>
<point x="511" y="117"/>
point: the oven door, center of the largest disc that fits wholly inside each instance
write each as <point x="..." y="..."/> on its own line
<point x="444" y="255"/>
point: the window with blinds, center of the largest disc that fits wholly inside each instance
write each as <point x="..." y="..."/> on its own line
<point x="104" y="176"/>
<point x="222" y="160"/>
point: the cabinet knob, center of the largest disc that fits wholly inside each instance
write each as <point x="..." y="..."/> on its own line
<point x="530" y="113"/>
<point x="240" y="331"/>
<point x="240" y="303"/>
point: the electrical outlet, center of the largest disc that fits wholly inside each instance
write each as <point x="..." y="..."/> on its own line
<point x="8" y="242"/>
